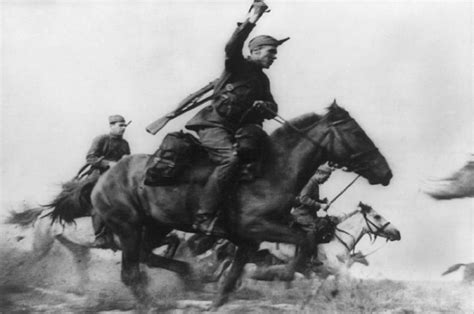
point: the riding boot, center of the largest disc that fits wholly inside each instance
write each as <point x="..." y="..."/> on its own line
<point x="314" y="262"/>
<point x="218" y="184"/>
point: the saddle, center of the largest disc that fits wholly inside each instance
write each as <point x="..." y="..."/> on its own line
<point x="179" y="151"/>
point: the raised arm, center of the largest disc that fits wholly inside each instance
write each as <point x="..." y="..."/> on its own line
<point x="234" y="46"/>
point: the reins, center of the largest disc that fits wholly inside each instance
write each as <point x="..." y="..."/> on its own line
<point x="371" y="232"/>
<point x="377" y="229"/>
<point x="284" y="122"/>
<point x="343" y="190"/>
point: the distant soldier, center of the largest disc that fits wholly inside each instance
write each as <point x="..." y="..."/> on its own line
<point x="310" y="209"/>
<point x="104" y="153"/>
<point x="242" y="98"/>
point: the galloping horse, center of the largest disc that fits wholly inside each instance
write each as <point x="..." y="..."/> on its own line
<point x="258" y="211"/>
<point x="336" y="254"/>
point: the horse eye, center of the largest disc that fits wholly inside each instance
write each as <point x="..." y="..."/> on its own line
<point x="377" y="216"/>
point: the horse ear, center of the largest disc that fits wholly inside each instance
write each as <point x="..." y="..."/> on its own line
<point x="364" y="207"/>
<point x="336" y="112"/>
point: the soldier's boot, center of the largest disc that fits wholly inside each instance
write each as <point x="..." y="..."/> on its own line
<point x="206" y="219"/>
<point x="218" y="184"/>
<point x="314" y="261"/>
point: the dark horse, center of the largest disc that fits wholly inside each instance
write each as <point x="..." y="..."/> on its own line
<point x="258" y="211"/>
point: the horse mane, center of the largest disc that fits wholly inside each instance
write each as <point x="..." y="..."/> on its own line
<point x="361" y="207"/>
<point x="333" y="113"/>
<point x="349" y="215"/>
<point x="365" y="207"/>
<point x="301" y="122"/>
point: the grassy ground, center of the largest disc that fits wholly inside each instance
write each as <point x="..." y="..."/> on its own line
<point x="38" y="274"/>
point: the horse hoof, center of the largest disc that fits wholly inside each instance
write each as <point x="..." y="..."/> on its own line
<point x="134" y="278"/>
<point x="221" y="300"/>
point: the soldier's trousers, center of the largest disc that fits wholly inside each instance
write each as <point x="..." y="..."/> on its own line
<point x="219" y="143"/>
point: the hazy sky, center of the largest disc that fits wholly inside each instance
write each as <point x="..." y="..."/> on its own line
<point x="402" y="69"/>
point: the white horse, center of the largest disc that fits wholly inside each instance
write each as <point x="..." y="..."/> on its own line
<point x="336" y="254"/>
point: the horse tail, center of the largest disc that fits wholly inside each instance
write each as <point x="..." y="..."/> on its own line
<point x="74" y="201"/>
<point x="25" y="217"/>
<point x="452" y="268"/>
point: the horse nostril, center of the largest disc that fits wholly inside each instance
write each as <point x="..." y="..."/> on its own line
<point x="387" y="178"/>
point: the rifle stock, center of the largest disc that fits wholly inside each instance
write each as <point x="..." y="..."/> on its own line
<point x="157" y="125"/>
<point x="186" y="104"/>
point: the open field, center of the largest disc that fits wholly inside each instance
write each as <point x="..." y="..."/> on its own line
<point x="38" y="273"/>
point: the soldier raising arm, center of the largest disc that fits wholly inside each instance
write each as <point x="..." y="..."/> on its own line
<point x="242" y="97"/>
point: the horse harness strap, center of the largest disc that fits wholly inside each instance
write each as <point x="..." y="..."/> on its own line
<point x="303" y="134"/>
<point x="342" y="241"/>
<point x="354" y="159"/>
<point x="378" y="230"/>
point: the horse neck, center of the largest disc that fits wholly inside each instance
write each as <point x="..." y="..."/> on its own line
<point x="351" y="230"/>
<point x="295" y="158"/>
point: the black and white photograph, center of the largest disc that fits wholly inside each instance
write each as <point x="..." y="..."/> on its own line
<point x="236" y="156"/>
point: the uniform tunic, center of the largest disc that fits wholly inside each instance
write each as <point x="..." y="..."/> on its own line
<point x="106" y="148"/>
<point x="308" y="204"/>
<point x="244" y="83"/>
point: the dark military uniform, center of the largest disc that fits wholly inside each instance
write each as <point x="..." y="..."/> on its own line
<point x="308" y="203"/>
<point x="104" y="149"/>
<point x="242" y="83"/>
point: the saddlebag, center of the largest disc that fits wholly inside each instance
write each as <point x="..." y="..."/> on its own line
<point x="172" y="157"/>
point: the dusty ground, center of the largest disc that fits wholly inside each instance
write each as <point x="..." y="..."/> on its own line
<point x="38" y="273"/>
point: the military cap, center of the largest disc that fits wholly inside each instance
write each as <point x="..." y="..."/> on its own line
<point x="265" y="40"/>
<point x="116" y="118"/>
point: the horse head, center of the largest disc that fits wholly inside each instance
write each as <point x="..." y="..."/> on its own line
<point x="377" y="225"/>
<point x="348" y="146"/>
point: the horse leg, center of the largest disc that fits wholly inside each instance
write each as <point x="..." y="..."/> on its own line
<point x="241" y="258"/>
<point x="279" y="233"/>
<point x="173" y="242"/>
<point x="130" y="234"/>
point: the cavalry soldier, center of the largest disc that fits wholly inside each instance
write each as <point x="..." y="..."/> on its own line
<point x="242" y="97"/>
<point x="310" y="209"/>
<point x="103" y="154"/>
<point x="308" y="202"/>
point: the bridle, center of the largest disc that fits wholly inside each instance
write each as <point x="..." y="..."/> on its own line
<point x="357" y="162"/>
<point x="377" y="231"/>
